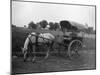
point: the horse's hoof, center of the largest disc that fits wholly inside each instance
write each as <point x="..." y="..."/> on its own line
<point x="69" y="58"/>
<point x="33" y="60"/>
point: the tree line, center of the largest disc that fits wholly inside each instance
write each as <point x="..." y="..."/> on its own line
<point x="44" y="25"/>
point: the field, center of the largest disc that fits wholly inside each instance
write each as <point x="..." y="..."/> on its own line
<point x="54" y="62"/>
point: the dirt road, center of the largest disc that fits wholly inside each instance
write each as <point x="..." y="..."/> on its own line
<point x="56" y="63"/>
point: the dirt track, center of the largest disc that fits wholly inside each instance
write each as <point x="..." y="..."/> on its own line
<point x="56" y="63"/>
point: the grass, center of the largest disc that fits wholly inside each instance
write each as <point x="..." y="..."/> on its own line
<point x="19" y="35"/>
<point x="90" y="43"/>
<point x="54" y="63"/>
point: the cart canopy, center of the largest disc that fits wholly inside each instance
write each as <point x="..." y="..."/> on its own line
<point x="70" y="25"/>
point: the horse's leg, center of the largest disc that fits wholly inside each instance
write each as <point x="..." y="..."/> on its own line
<point x="48" y="49"/>
<point x="51" y="46"/>
<point x="47" y="54"/>
<point x="25" y="55"/>
<point x="25" y="50"/>
<point x="34" y="53"/>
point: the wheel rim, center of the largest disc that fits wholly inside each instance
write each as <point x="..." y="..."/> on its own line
<point x="73" y="48"/>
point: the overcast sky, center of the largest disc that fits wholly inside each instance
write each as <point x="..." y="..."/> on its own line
<point x="24" y="12"/>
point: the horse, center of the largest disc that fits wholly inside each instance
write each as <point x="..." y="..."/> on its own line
<point x="32" y="41"/>
<point x="47" y="38"/>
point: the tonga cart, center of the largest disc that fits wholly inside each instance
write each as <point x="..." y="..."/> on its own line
<point x="72" y="43"/>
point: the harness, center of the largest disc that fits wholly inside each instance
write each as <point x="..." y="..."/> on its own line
<point x="36" y="43"/>
<point x="33" y="43"/>
<point x="36" y="38"/>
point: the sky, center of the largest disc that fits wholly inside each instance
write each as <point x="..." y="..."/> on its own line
<point x="25" y="12"/>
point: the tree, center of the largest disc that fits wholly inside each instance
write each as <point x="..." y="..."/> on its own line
<point x="25" y="26"/>
<point x="38" y="25"/>
<point x="43" y="23"/>
<point x="51" y="25"/>
<point x="56" y="26"/>
<point x="13" y="25"/>
<point x="32" y="25"/>
<point x="86" y="25"/>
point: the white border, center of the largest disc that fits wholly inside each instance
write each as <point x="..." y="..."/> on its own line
<point x="5" y="37"/>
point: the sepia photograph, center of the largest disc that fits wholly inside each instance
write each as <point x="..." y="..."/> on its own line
<point x="52" y="37"/>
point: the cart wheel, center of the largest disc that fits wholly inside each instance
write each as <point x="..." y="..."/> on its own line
<point x="73" y="49"/>
<point x="41" y="53"/>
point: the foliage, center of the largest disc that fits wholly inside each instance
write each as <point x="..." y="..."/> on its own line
<point x="13" y="25"/>
<point x="53" y="26"/>
<point x="32" y="25"/>
<point x="43" y="23"/>
<point x="56" y="26"/>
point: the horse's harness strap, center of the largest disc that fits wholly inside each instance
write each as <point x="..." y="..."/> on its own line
<point x="30" y="40"/>
<point x="36" y="39"/>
